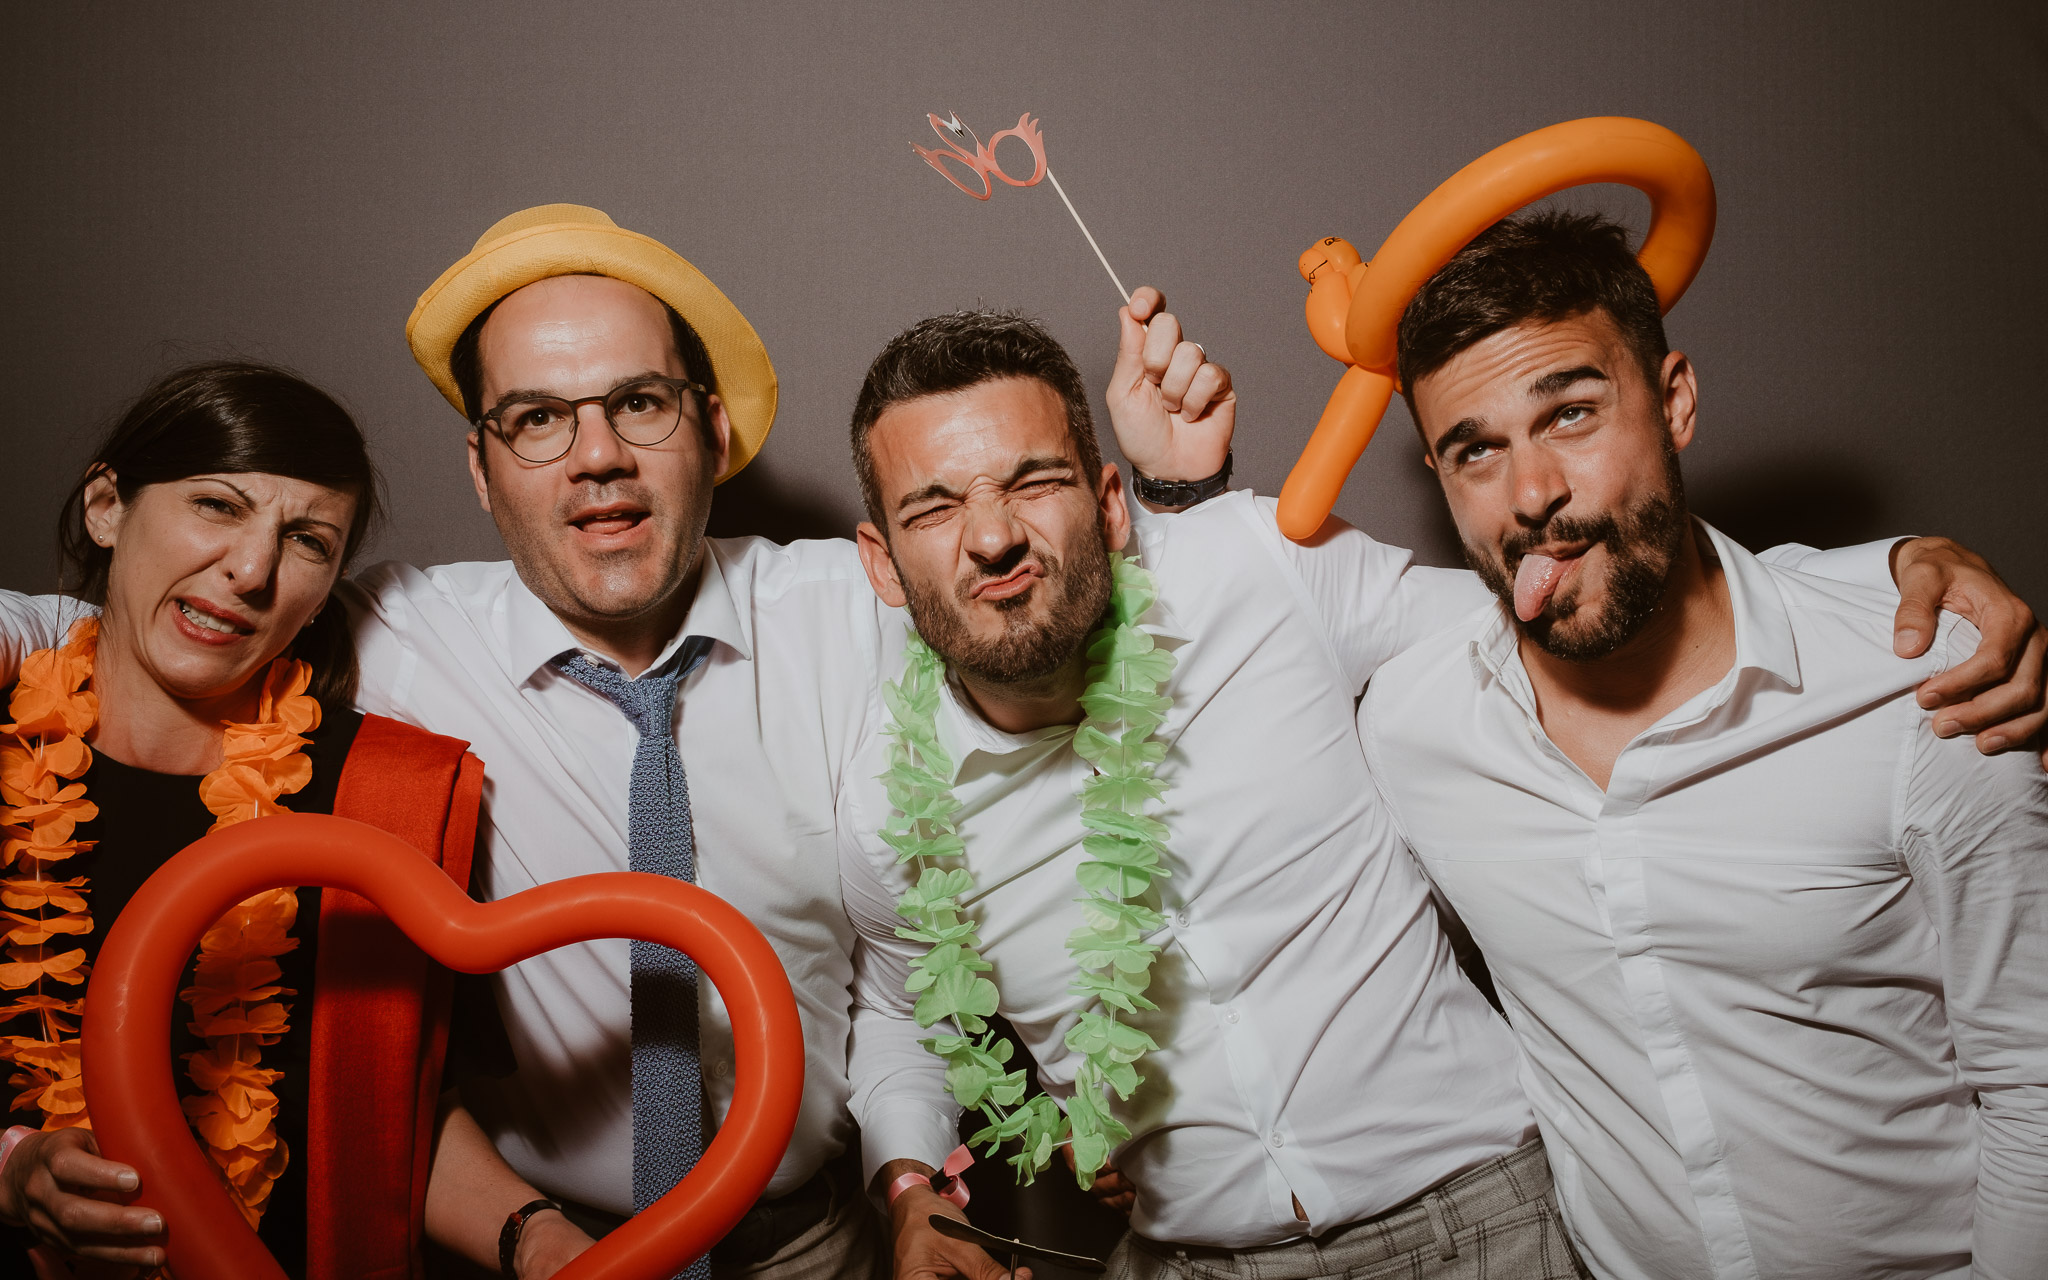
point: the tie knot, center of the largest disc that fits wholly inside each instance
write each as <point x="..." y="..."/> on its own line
<point x="650" y="701"/>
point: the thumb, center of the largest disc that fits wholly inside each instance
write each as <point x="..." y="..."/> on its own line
<point x="1913" y="625"/>
<point x="1130" y="350"/>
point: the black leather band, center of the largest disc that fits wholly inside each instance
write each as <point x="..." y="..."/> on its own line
<point x="508" y="1235"/>
<point x="1180" y="493"/>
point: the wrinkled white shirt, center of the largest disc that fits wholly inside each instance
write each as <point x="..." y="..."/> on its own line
<point x="1782" y="988"/>
<point x="1317" y="1039"/>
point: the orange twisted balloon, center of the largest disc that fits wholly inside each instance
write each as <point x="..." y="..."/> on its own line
<point x="127" y="1032"/>
<point x="1354" y="306"/>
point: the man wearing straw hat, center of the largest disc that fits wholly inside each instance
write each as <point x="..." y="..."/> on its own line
<point x="610" y="386"/>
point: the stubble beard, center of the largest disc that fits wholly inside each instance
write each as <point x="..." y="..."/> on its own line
<point x="1026" y="651"/>
<point x="1643" y="542"/>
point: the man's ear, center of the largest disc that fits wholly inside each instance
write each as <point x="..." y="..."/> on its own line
<point x="881" y="567"/>
<point x="477" y="476"/>
<point x="103" y="508"/>
<point x="1681" y="395"/>
<point x="721" y="431"/>
<point x="1116" y="512"/>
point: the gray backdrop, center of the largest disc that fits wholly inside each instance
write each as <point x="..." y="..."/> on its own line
<point x="281" y="181"/>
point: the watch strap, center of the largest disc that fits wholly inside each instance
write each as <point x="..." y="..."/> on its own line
<point x="508" y="1235"/>
<point x="1180" y="493"/>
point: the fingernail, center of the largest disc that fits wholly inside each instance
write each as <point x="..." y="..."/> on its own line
<point x="1991" y="745"/>
<point x="1907" y="639"/>
<point x="152" y="1225"/>
<point x="1944" y="728"/>
<point x="1928" y="699"/>
<point x="127" y="1181"/>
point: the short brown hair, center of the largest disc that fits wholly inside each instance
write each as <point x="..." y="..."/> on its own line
<point x="964" y="349"/>
<point x="1540" y="267"/>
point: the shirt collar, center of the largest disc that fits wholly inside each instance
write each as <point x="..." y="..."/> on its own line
<point x="535" y="636"/>
<point x="1763" y="629"/>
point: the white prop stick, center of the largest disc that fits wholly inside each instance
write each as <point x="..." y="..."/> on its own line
<point x="1091" y="237"/>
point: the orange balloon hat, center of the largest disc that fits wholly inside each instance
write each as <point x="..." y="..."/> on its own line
<point x="127" y="1034"/>
<point x="1354" y="306"/>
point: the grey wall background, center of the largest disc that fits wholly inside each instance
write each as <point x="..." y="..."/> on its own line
<point x="280" y="181"/>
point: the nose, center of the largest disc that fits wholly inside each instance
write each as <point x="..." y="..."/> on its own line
<point x="597" y="452"/>
<point x="251" y="559"/>
<point x="993" y="533"/>
<point x="1539" y="486"/>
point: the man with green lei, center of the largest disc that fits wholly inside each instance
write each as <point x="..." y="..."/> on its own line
<point x="1119" y="798"/>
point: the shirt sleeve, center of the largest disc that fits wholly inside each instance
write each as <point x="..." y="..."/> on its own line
<point x="1373" y="600"/>
<point x="1867" y="564"/>
<point x="899" y="1095"/>
<point x="380" y="617"/>
<point x="29" y="623"/>
<point x="1976" y="845"/>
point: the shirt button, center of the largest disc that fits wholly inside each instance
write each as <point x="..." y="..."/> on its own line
<point x="1230" y="1016"/>
<point x="1276" y="1139"/>
<point x="1181" y="919"/>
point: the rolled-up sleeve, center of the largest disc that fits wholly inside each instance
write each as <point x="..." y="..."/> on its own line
<point x="1976" y="843"/>
<point x="898" y="1088"/>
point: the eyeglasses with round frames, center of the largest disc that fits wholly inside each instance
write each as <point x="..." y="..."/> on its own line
<point x="644" y="412"/>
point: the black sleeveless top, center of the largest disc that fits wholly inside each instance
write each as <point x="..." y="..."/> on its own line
<point x="144" y="819"/>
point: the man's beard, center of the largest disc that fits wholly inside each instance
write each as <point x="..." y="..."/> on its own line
<point x="1642" y="543"/>
<point x="1025" y="651"/>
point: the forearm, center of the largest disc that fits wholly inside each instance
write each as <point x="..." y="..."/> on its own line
<point x="471" y="1191"/>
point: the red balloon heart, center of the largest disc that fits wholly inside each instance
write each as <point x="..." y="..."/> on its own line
<point x="133" y="1100"/>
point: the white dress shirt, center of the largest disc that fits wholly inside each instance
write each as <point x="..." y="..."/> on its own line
<point x="1317" y="1040"/>
<point x="1782" y="988"/>
<point x="766" y="725"/>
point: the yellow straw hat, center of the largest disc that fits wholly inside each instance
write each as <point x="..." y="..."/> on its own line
<point x="573" y="239"/>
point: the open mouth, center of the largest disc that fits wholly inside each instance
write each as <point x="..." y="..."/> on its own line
<point x="206" y="623"/>
<point x="605" y="522"/>
<point x="1538" y="577"/>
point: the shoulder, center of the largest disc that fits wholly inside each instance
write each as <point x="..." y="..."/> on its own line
<point x="1416" y="687"/>
<point x="462" y="582"/>
<point x="766" y="569"/>
<point x="1843" y="632"/>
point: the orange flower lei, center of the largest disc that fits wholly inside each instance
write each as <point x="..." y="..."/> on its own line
<point x="233" y="997"/>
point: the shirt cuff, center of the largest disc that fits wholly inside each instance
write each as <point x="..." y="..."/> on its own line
<point x="906" y="1129"/>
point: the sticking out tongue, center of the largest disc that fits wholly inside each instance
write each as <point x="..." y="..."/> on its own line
<point x="1534" y="581"/>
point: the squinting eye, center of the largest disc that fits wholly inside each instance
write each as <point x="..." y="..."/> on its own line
<point x="312" y="544"/>
<point x="1571" y="414"/>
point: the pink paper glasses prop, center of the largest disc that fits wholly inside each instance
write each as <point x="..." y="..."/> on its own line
<point x="982" y="163"/>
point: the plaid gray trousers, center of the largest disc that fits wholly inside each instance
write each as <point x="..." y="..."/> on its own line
<point x="1497" y="1222"/>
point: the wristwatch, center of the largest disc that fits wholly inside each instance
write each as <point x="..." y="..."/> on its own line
<point x="508" y="1235"/>
<point x="1180" y="493"/>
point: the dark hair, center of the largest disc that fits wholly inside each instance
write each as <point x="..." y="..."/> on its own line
<point x="1539" y="267"/>
<point x="466" y="365"/>
<point x="958" y="350"/>
<point x="230" y="417"/>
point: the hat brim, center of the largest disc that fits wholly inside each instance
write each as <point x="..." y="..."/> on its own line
<point x="745" y="376"/>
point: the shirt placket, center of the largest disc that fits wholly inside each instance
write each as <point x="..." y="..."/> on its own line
<point x="1616" y="868"/>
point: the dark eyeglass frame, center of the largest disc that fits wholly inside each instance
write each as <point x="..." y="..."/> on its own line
<point x="491" y="420"/>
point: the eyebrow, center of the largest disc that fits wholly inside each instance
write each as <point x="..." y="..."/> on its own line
<point x="1541" y="389"/>
<point x="542" y="393"/>
<point x="1023" y="469"/>
<point x="1552" y="383"/>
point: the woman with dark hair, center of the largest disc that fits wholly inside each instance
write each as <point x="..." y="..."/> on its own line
<point x="214" y="686"/>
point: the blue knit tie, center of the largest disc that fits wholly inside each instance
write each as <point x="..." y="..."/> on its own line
<point x="668" y="1082"/>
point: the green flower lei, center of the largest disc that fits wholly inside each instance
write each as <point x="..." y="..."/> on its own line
<point x="1124" y="707"/>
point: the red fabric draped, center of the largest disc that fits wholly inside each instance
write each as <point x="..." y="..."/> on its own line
<point x="380" y="1017"/>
